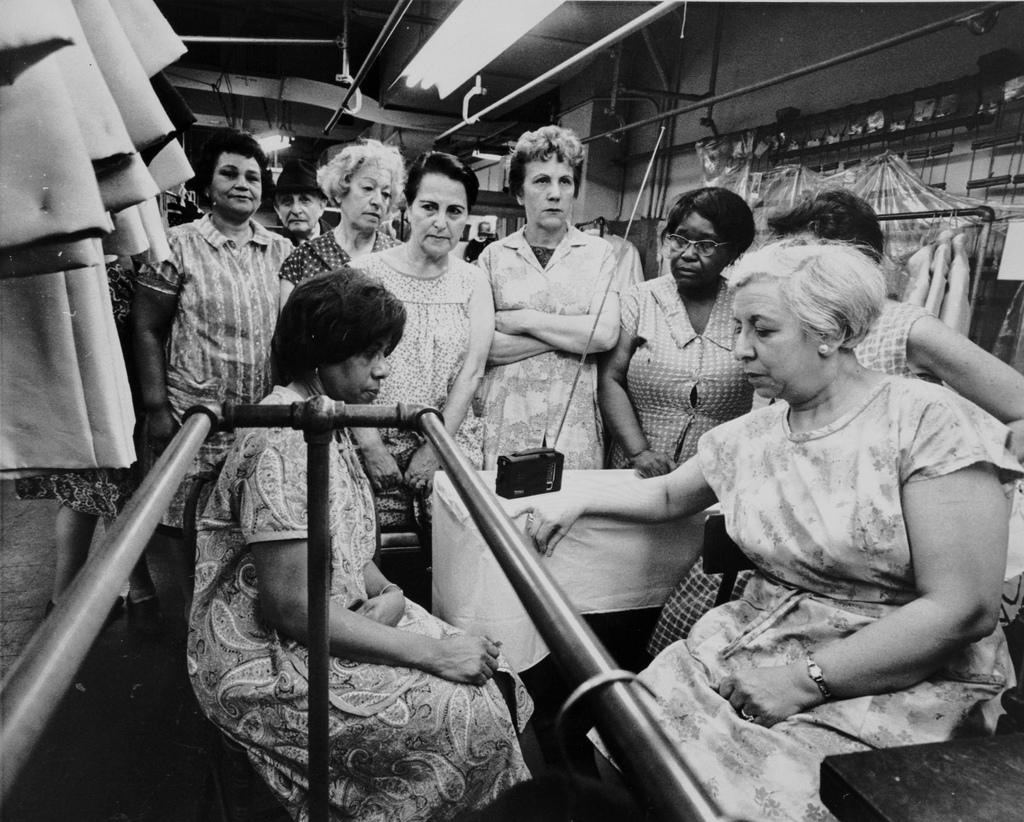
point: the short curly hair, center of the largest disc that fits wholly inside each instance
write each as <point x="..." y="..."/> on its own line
<point x="541" y="145"/>
<point x="834" y="214"/>
<point x="336" y="177"/>
<point x="447" y="165"/>
<point x="228" y="141"/>
<point x="333" y="316"/>
<point x="835" y="291"/>
<point x="725" y="210"/>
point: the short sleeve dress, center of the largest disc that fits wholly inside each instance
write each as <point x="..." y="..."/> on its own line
<point x="681" y="383"/>
<point x="218" y="348"/>
<point x="324" y="254"/>
<point x="819" y="580"/>
<point x="524" y="401"/>
<point x="405" y="745"/>
<point x="424" y="365"/>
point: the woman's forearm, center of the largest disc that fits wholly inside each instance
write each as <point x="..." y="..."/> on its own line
<point x="901" y="649"/>
<point x="151" y="369"/>
<point x="620" y="416"/>
<point x="510" y="348"/>
<point x="566" y="333"/>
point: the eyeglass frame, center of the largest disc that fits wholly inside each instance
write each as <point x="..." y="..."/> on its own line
<point x="683" y="246"/>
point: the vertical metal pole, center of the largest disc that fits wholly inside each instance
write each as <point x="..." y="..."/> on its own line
<point x="318" y="444"/>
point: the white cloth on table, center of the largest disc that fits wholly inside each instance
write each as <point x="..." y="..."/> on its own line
<point x="602" y="565"/>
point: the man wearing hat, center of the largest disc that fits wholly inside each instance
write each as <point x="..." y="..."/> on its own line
<point x="299" y="202"/>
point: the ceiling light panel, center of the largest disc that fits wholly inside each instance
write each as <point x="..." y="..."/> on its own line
<point x="471" y="37"/>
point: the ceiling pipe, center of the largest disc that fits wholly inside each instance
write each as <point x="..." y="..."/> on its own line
<point x="650" y="16"/>
<point x="262" y="41"/>
<point x="792" y="75"/>
<point x="382" y="39"/>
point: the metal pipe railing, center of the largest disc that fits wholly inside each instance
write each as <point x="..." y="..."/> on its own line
<point x="42" y="674"/>
<point x="644" y="19"/>
<point x="317" y="419"/>
<point x="389" y="28"/>
<point x="801" y="72"/>
<point x="31" y="692"/>
<point x="647" y="755"/>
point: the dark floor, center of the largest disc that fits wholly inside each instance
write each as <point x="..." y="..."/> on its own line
<point x="128" y="743"/>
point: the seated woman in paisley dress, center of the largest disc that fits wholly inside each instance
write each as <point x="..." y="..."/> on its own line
<point x="875" y="510"/>
<point x="420" y="721"/>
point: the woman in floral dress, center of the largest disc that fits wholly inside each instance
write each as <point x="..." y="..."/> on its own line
<point x="549" y="282"/>
<point x="875" y="510"/>
<point x="423" y="718"/>
<point x="441" y="358"/>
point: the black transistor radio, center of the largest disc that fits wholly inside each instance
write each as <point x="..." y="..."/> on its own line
<point x="524" y="473"/>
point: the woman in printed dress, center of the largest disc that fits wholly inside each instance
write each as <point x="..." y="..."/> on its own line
<point x="441" y="358"/>
<point x="875" y="510"/>
<point x="549" y="282"/>
<point x="361" y="180"/>
<point x="423" y="718"/>
<point x="672" y="375"/>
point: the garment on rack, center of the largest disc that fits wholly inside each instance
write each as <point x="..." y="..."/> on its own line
<point x="32" y="30"/>
<point x="71" y="124"/>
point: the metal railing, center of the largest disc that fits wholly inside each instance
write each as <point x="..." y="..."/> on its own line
<point x="30" y="693"/>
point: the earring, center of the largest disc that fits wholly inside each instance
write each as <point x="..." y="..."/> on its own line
<point x="823" y="349"/>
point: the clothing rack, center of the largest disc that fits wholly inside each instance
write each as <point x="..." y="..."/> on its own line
<point x="987" y="215"/>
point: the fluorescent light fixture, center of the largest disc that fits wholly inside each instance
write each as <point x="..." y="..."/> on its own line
<point x="274" y="140"/>
<point x="471" y="37"/>
<point x="485" y="155"/>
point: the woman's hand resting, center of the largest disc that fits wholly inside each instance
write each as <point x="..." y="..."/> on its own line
<point x="381" y="468"/>
<point x="650" y="463"/>
<point x="386" y="608"/>
<point x="549" y="519"/>
<point x="770" y="695"/>
<point x="160" y="428"/>
<point x="472" y="659"/>
<point x="419" y="476"/>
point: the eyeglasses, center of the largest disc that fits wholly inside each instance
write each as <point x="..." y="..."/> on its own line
<point x="704" y="248"/>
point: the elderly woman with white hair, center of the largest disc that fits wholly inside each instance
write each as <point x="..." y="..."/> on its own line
<point x="362" y="180"/>
<point x="874" y="509"/>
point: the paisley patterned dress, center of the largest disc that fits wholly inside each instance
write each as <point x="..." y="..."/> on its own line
<point x="821" y="578"/>
<point x="405" y="745"/>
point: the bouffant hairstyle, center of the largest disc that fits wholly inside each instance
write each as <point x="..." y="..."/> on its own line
<point x="834" y="214"/>
<point x="447" y="165"/>
<point x="227" y="141"/>
<point x="725" y="210"/>
<point x="333" y="316"/>
<point x="336" y="177"/>
<point x="835" y="291"/>
<point x="541" y="145"/>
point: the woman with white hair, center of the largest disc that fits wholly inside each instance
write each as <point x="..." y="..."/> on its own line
<point x="362" y="180"/>
<point x="874" y="510"/>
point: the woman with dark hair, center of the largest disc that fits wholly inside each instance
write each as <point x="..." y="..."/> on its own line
<point x="419" y="724"/>
<point x="549" y="282"/>
<point x="204" y="319"/>
<point x="440" y="361"/>
<point x="672" y="376"/>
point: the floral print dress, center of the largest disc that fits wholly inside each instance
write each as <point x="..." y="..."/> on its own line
<point x="820" y="514"/>
<point x="405" y="745"/>
<point x="524" y="401"/>
<point x="424" y="366"/>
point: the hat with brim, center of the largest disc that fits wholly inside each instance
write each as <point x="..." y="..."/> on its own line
<point x="297" y="175"/>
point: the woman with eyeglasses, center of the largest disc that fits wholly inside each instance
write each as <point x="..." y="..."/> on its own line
<point x="672" y="375"/>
